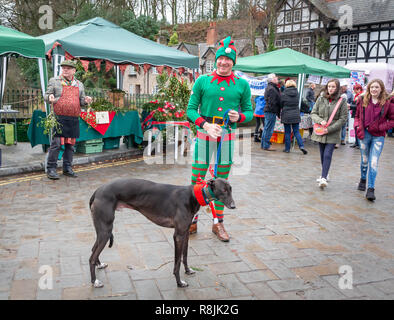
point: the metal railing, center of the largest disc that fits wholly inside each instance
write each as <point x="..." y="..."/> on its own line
<point x="27" y="100"/>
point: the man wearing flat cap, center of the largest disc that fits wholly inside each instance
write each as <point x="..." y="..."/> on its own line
<point x="212" y="96"/>
<point x="67" y="95"/>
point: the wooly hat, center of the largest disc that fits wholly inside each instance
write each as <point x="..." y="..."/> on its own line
<point x="226" y="48"/>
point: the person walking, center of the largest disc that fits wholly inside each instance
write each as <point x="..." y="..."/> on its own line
<point x="290" y="115"/>
<point x="374" y="116"/>
<point x="212" y="96"/>
<point x="310" y="96"/>
<point x="67" y="95"/>
<point x="321" y="113"/>
<point x="259" y="116"/>
<point x="358" y="91"/>
<point x="348" y="95"/>
<point x="271" y="111"/>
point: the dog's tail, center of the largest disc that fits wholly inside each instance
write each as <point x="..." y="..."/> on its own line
<point x="111" y="240"/>
<point x="92" y="199"/>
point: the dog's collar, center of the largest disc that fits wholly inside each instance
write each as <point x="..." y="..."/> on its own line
<point x="204" y="195"/>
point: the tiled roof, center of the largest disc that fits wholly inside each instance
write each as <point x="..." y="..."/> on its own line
<point x="364" y="11"/>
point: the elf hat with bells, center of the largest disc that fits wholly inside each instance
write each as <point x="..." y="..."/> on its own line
<point x="226" y="48"/>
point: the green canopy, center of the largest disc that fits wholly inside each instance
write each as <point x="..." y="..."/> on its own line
<point x="98" y="38"/>
<point x="290" y="62"/>
<point x="12" y="41"/>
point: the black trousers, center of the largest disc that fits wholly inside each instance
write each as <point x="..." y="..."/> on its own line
<point x="53" y="154"/>
<point x="259" y="121"/>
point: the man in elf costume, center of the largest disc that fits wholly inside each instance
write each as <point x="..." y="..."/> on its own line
<point x="211" y="97"/>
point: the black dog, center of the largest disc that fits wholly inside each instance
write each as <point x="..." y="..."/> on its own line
<point x="164" y="204"/>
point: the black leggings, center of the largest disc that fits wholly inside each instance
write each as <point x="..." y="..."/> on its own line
<point x="326" y="151"/>
<point x="259" y="120"/>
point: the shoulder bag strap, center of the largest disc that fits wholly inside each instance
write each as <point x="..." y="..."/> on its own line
<point x="334" y="112"/>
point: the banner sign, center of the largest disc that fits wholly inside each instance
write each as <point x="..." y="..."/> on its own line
<point x="314" y="79"/>
<point x="257" y="84"/>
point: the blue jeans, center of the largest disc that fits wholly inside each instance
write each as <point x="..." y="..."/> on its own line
<point x="370" y="147"/>
<point x="326" y="151"/>
<point x="297" y="135"/>
<point x="269" y="126"/>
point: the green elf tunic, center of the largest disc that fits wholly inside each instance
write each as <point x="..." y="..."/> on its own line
<point x="212" y="95"/>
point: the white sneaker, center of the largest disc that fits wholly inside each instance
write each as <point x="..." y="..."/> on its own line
<point x="323" y="183"/>
<point x="327" y="179"/>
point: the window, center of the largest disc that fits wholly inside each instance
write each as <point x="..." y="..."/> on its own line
<point x="344" y="39"/>
<point x="288" y="17"/>
<point x="132" y="71"/>
<point x="154" y="70"/>
<point x="353" y="38"/>
<point x="296" y="41"/>
<point x="306" y="40"/>
<point x="131" y="89"/>
<point x="209" y="66"/>
<point x="278" y="43"/>
<point x="343" y="51"/>
<point x="287" y="43"/>
<point x="352" y="50"/>
<point x="155" y="89"/>
<point x="305" y="50"/>
<point x="297" y="15"/>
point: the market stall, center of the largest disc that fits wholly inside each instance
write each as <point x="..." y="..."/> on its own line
<point x="98" y="40"/>
<point x="122" y="124"/>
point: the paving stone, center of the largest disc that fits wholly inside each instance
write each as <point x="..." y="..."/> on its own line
<point x="235" y="286"/>
<point x="262" y="291"/>
<point x="120" y="282"/>
<point x="288" y="285"/>
<point x="147" y="290"/>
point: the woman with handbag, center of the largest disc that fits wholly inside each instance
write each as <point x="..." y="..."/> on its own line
<point x="328" y="114"/>
<point x="374" y="116"/>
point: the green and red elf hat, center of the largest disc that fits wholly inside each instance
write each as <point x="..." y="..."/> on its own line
<point x="226" y="48"/>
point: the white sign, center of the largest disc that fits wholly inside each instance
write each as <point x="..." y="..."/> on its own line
<point x="257" y="84"/>
<point x="102" y="117"/>
<point x="314" y="79"/>
<point x="325" y="80"/>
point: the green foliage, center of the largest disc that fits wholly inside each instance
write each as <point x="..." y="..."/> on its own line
<point x="173" y="39"/>
<point x="50" y="123"/>
<point x="29" y="68"/>
<point x="143" y="26"/>
<point x="322" y="45"/>
<point x="271" y="38"/>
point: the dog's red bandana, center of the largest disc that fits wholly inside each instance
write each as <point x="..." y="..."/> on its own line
<point x="201" y="198"/>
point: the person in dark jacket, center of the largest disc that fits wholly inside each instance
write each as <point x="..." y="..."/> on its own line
<point x="310" y="96"/>
<point x="290" y="116"/>
<point x="271" y="110"/>
<point x="374" y="116"/>
<point x="358" y="90"/>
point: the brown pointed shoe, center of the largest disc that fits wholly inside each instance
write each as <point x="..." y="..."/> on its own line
<point x="193" y="228"/>
<point x="220" y="232"/>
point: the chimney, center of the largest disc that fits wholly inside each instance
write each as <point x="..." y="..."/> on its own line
<point x="212" y="34"/>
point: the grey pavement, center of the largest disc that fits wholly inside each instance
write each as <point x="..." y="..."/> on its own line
<point x="22" y="158"/>
<point x="289" y="239"/>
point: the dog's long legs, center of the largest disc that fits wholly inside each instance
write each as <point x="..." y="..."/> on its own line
<point x="185" y="248"/>
<point x="102" y="240"/>
<point x="179" y="240"/>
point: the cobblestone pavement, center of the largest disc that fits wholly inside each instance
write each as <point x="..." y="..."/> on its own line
<point x="288" y="237"/>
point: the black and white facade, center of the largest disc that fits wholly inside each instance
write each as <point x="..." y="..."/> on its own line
<point x="369" y="38"/>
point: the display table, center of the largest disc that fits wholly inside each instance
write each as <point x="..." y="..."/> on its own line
<point x="123" y="124"/>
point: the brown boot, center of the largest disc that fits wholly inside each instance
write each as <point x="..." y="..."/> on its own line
<point x="193" y="228"/>
<point x="220" y="232"/>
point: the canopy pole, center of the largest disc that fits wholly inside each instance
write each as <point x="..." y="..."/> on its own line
<point x="3" y="76"/>
<point x="117" y="72"/>
<point x="42" y="66"/>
